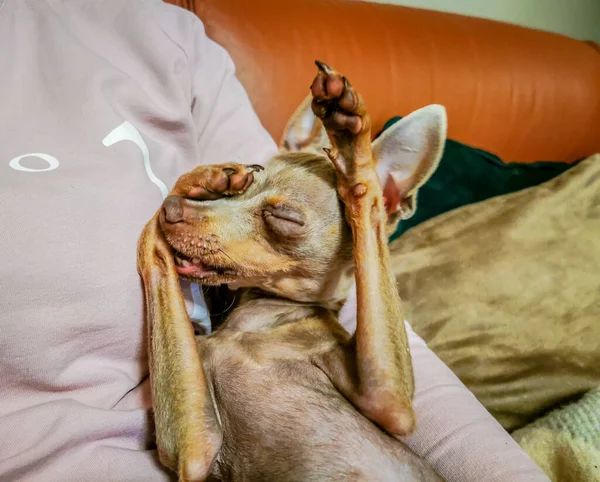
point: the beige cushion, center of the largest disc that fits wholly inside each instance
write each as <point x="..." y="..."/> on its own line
<point x="507" y="293"/>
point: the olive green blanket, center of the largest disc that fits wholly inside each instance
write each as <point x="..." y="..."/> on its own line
<point x="507" y="293"/>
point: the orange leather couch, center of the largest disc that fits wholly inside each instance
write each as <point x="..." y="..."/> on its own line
<point x="522" y="94"/>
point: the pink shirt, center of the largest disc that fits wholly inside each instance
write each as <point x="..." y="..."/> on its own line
<point x="103" y="104"/>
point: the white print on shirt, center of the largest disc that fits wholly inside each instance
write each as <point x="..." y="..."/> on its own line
<point x="52" y="162"/>
<point x="126" y="132"/>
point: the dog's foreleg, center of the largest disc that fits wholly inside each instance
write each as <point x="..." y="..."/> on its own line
<point x="380" y="379"/>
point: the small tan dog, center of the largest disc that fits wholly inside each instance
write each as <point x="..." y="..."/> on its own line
<point x="281" y="392"/>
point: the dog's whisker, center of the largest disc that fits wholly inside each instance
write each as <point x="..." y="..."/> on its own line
<point x="226" y="254"/>
<point x="228" y="308"/>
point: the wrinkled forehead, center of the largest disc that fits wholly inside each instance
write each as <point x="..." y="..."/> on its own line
<point x="298" y="177"/>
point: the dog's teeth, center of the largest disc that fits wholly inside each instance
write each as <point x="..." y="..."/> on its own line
<point x="196" y="261"/>
<point x="185" y="263"/>
<point x="177" y="260"/>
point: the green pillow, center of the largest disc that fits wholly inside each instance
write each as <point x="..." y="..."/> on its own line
<point x="467" y="175"/>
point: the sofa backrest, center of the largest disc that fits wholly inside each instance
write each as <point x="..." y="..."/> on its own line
<point x="523" y="94"/>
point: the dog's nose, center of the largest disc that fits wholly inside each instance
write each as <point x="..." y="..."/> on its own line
<point x="173" y="209"/>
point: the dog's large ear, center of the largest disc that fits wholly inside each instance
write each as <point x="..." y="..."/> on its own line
<point x="188" y="432"/>
<point x="304" y="131"/>
<point x="407" y="154"/>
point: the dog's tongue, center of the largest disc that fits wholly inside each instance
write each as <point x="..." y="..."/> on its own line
<point x="193" y="270"/>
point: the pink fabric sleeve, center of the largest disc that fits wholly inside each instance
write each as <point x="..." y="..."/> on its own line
<point x="228" y="128"/>
<point x="455" y="433"/>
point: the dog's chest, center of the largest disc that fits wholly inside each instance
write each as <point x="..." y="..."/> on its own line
<point x="267" y="354"/>
<point x="266" y="390"/>
<point x="268" y="371"/>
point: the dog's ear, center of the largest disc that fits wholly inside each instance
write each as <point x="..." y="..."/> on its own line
<point x="407" y="154"/>
<point x="304" y="131"/>
<point x="188" y="432"/>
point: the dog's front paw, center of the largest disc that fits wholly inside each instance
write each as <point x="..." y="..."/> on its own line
<point x="337" y="104"/>
<point x="216" y="181"/>
<point x="342" y="111"/>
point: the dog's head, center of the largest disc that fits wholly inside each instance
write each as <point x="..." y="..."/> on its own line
<point x="287" y="233"/>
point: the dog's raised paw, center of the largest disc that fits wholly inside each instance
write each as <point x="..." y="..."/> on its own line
<point x="336" y="102"/>
<point x="207" y="183"/>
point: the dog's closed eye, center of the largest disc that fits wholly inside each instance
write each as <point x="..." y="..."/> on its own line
<point x="284" y="220"/>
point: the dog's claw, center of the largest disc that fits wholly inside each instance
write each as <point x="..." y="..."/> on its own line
<point x="332" y="154"/>
<point x="323" y="67"/>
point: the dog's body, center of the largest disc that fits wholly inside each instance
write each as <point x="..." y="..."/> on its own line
<point x="282" y="417"/>
<point x="281" y="392"/>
